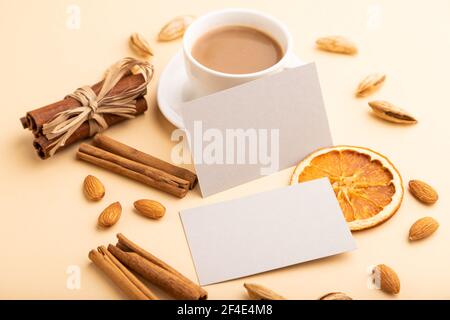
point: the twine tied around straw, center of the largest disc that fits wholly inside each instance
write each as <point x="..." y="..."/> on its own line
<point x="94" y="107"/>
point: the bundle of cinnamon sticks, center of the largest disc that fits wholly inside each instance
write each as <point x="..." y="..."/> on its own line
<point x="118" y="261"/>
<point x="35" y="119"/>
<point x="127" y="161"/>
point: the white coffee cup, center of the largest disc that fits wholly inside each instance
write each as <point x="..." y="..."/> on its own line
<point x="205" y="80"/>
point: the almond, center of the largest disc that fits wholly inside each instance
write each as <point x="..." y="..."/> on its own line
<point x="175" y="28"/>
<point x="110" y="215"/>
<point x="386" y="279"/>
<point x="257" y="292"/>
<point x="140" y="46"/>
<point x="335" y="296"/>
<point x="423" y="228"/>
<point x="370" y="84"/>
<point x="387" y="111"/>
<point x="423" y="192"/>
<point x="336" y="44"/>
<point x="150" y="208"/>
<point x="93" y="188"/>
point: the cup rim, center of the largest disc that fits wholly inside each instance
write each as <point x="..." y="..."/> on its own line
<point x="276" y="66"/>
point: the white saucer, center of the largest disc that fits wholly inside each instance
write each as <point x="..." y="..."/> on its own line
<point x="174" y="88"/>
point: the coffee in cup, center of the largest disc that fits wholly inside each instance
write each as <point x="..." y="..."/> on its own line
<point x="237" y="50"/>
<point x="272" y="50"/>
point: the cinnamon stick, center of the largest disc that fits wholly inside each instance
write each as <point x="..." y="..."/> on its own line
<point x="35" y="119"/>
<point x="127" y="245"/>
<point x="157" y="272"/>
<point x="43" y="145"/>
<point x="134" y="170"/>
<point x="116" y="147"/>
<point x="25" y="123"/>
<point x="121" y="279"/>
<point x="142" y="287"/>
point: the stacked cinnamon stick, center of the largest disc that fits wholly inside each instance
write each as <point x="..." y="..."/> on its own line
<point x="127" y="161"/>
<point x="35" y="119"/>
<point x="117" y="260"/>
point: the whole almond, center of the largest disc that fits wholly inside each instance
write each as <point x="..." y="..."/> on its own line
<point x="423" y="192"/>
<point x="370" y="84"/>
<point x="110" y="215"/>
<point x="386" y="279"/>
<point x="387" y="111"/>
<point x="150" y="208"/>
<point x="423" y="228"/>
<point x="336" y="44"/>
<point x="175" y="28"/>
<point x="140" y="46"/>
<point x="335" y="296"/>
<point x="257" y="292"/>
<point x="93" y="188"/>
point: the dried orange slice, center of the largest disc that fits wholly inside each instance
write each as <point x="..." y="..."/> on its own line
<point x="368" y="187"/>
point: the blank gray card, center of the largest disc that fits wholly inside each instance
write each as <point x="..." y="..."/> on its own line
<point x="286" y="108"/>
<point x="266" y="231"/>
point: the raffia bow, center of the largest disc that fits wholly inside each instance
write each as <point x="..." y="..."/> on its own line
<point x="94" y="107"/>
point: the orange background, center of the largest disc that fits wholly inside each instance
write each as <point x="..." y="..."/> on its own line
<point x="47" y="225"/>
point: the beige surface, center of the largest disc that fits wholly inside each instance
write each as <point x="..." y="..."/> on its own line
<point x="47" y="225"/>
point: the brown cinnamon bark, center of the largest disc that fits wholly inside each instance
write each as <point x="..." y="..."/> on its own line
<point x="125" y="280"/>
<point x="43" y="145"/>
<point x="134" y="170"/>
<point x="138" y="283"/>
<point x="116" y="147"/>
<point x="25" y="122"/>
<point x="35" y="119"/>
<point x="129" y="246"/>
<point x="156" y="271"/>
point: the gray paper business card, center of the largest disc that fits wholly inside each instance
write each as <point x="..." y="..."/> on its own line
<point x="266" y="231"/>
<point x="255" y="129"/>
